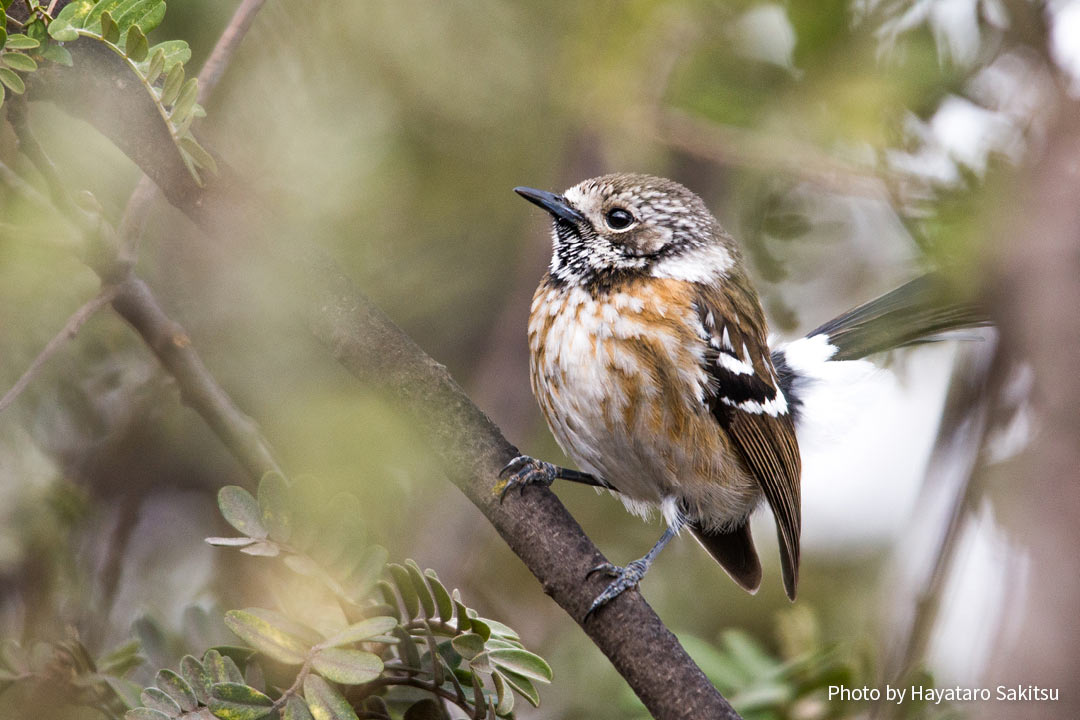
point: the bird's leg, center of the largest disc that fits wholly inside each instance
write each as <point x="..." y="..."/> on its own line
<point x="626" y="577"/>
<point x="523" y="471"/>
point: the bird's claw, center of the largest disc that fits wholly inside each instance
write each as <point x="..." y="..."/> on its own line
<point x="523" y="471"/>
<point x="625" y="578"/>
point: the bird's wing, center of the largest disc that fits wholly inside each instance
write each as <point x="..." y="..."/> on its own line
<point x="746" y="400"/>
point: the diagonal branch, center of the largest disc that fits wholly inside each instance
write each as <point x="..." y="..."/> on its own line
<point x="71" y="329"/>
<point x="536" y="526"/>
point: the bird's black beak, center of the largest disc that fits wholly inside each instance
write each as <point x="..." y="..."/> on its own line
<point x="554" y="204"/>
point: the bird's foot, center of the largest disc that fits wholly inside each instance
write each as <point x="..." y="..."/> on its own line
<point x="523" y="471"/>
<point x="625" y="578"/>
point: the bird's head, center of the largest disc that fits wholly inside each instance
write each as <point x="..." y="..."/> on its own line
<point x="621" y="226"/>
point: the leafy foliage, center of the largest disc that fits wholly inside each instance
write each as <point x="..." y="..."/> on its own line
<point x="122" y="26"/>
<point x="399" y="626"/>
<point x="398" y="640"/>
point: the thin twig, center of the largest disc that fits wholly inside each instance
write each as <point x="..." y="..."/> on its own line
<point x="71" y="329"/>
<point x="214" y="67"/>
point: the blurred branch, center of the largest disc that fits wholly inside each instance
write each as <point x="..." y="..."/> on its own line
<point x="730" y="145"/>
<point x="214" y="67"/>
<point x="536" y="526"/>
<point x="953" y="462"/>
<point x="1035" y="297"/>
<point x="71" y="329"/>
<point x="133" y="300"/>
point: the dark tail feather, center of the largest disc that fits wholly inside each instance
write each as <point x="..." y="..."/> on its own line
<point x="912" y="313"/>
<point x="735" y="552"/>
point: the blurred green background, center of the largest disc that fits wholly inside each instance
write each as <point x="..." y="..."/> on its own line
<point x="848" y="145"/>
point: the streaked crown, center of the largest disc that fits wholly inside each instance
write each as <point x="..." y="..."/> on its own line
<point x="624" y="225"/>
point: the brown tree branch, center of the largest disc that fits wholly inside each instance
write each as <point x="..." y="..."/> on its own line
<point x="536" y="526"/>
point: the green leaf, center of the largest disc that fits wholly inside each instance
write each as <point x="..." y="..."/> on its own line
<point x="221" y="668"/>
<point x="521" y="662"/>
<point x="156" y="66"/>
<point x="464" y="622"/>
<point x="185" y="103"/>
<point x="92" y="21"/>
<point x="500" y="630"/>
<point x="237" y="701"/>
<point x="110" y="31"/>
<point x="158" y="700"/>
<point x="3" y="36"/>
<point x="406" y="647"/>
<point x="74" y="14"/>
<point x="20" y="42"/>
<point x="480" y="627"/>
<point x="361" y="631"/>
<point x="13" y="82"/>
<point x="237" y="505"/>
<point x="325" y="702"/>
<point x="197" y="677"/>
<point x="296" y="709"/>
<point x="273" y="492"/>
<point x="143" y="14"/>
<point x="145" y="714"/>
<point x="135" y="46"/>
<point x="20" y="62"/>
<point x="405" y="587"/>
<point x="443" y="603"/>
<point x="423" y="592"/>
<point x="468" y="645"/>
<point x="350" y="667"/>
<point x="177" y="688"/>
<point x="176" y="51"/>
<point x="57" y="53"/>
<point x="523" y="686"/>
<point x="36" y="30"/>
<point x="63" y="30"/>
<point x="503" y="692"/>
<point x="269" y="633"/>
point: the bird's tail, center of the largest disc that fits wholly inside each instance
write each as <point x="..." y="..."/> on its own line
<point x="922" y="310"/>
<point x="918" y="311"/>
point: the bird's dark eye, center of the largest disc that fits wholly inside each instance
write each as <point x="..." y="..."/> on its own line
<point x="618" y="219"/>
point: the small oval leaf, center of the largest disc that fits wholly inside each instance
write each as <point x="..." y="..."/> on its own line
<point x="522" y="662"/>
<point x="239" y="508"/>
<point x="19" y="41"/>
<point x="20" y="62"/>
<point x="296" y="709"/>
<point x="350" y="667"/>
<point x="362" y="631"/>
<point x="468" y="645"/>
<point x="236" y="701"/>
<point x="177" y="688"/>
<point x="325" y="702"/>
<point x="269" y="633"/>
<point x="13" y="82"/>
<point x="158" y="700"/>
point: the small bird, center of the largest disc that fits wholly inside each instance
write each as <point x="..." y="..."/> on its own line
<point x="651" y="363"/>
